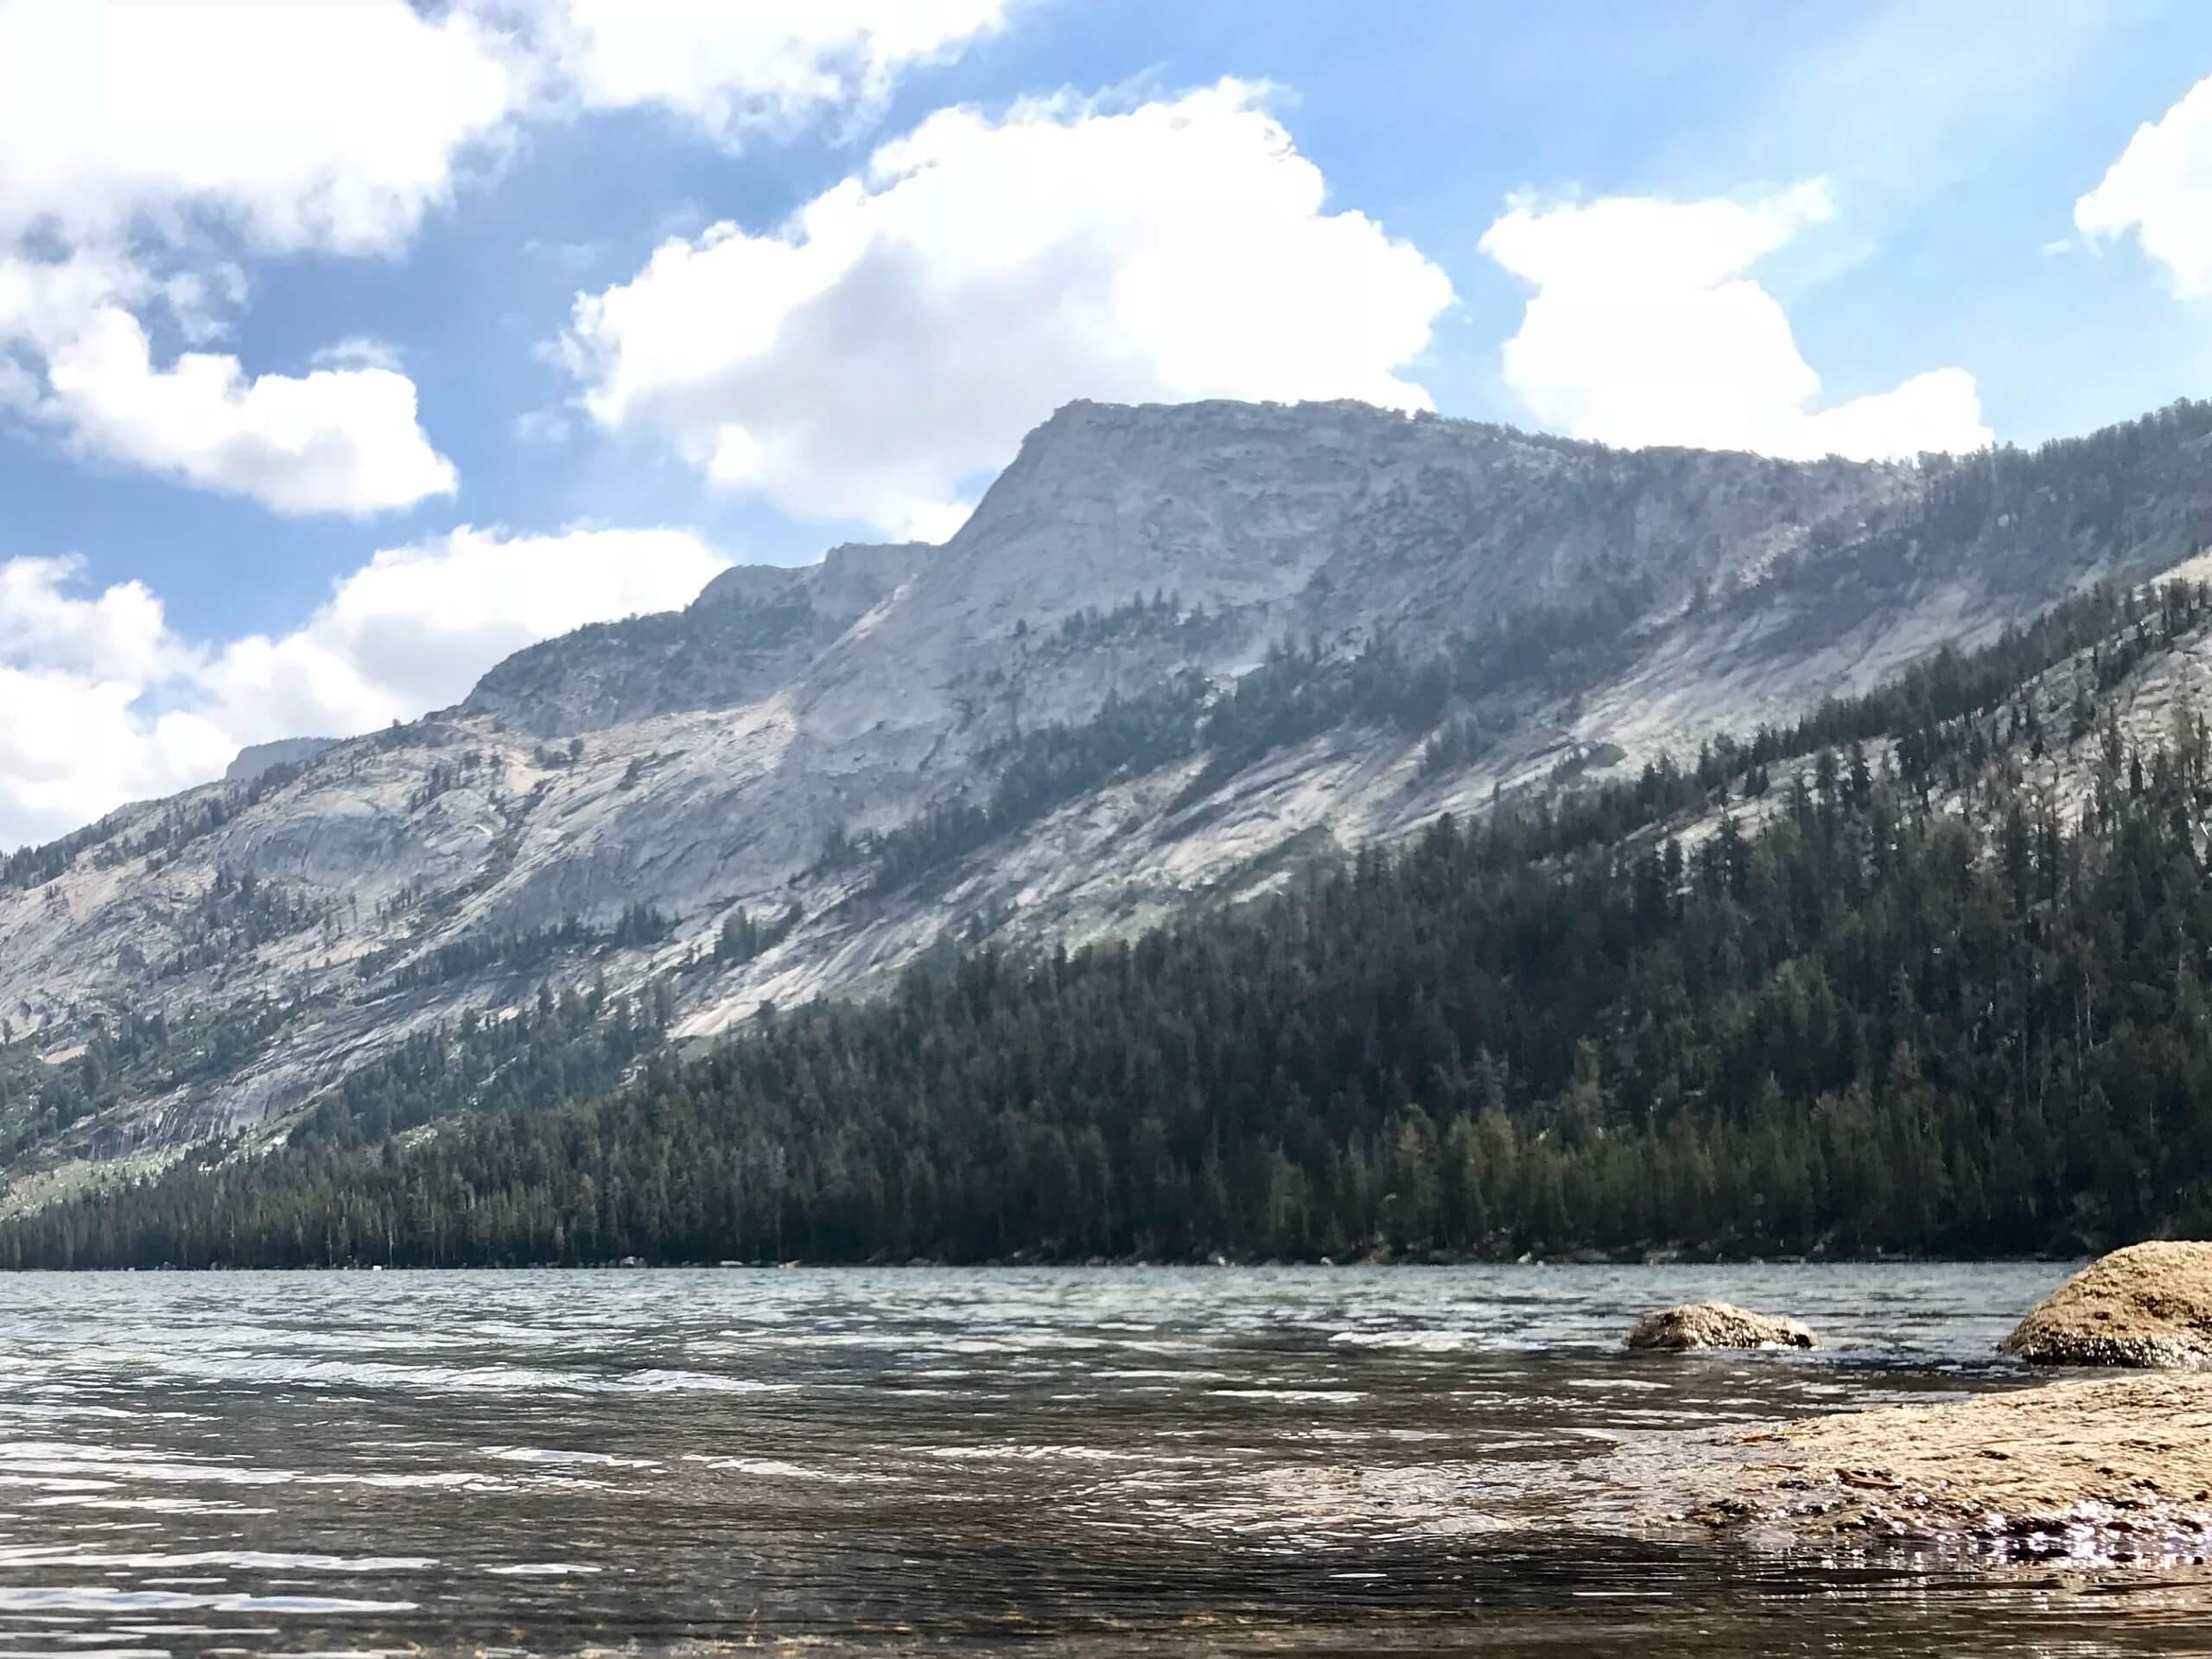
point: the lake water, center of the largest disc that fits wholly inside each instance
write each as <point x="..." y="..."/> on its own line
<point x="1091" y="1462"/>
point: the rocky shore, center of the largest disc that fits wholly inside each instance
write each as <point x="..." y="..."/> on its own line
<point x="2091" y="1470"/>
<point x="2111" y="1468"/>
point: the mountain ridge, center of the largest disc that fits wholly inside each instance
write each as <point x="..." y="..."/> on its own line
<point x="1291" y="583"/>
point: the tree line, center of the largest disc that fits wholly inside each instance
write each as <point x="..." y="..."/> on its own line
<point x="1871" y="1025"/>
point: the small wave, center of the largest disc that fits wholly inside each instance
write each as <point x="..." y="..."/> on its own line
<point x="659" y="1382"/>
<point x="1420" y="1342"/>
<point x="548" y="1454"/>
<point x="453" y="1379"/>
<point x="56" y="1483"/>
<point x="244" y="1560"/>
<point x="377" y="1373"/>
<point x="1034" y="1454"/>
<point x="778" y="1469"/>
<point x="91" y="1471"/>
<point x="1294" y="1396"/>
<point x="151" y="1505"/>
<point x="98" y="1599"/>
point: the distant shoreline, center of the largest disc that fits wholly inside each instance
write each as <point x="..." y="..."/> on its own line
<point x="1016" y="1265"/>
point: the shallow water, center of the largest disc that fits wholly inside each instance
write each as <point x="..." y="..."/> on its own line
<point x="1116" y="1461"/>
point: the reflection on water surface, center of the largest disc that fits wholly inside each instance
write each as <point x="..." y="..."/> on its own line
<point x="1119" y="1462"/>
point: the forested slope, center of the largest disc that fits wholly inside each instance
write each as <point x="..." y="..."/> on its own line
<point x="1844" y="992"/>
<point x="1176" y="651"/>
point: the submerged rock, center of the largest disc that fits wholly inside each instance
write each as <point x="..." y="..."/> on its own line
<point x="2149" y="1306"/>
<point x="2108" y="1468"/>
<point x="1717" y="1325"/>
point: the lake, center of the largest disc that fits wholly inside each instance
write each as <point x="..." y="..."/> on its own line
<point x="1105" y="1461"/>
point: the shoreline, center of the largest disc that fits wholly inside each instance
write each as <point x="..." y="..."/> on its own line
<point x="999" y="1264"/>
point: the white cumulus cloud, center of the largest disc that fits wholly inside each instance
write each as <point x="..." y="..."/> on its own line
<point x="2160" y="192"/>
<point x="102" y="702"/>
<point x="134" y="131"/>
<point x="762" y="65"/>
<point x="899" y="333"/>
<point x="159" y="141"/>
<point x="414" y="628"/>
<point x="334" y="127"/>
<point x="335" y="440"/>
<point x="119" y="633"/>
<point x="76" y="739"/>
<point x="1645" y="328"/>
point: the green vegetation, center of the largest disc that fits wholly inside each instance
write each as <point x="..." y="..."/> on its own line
<point x="562" y="1048"/>
<point x="516" y="950"/>
<point x="1891" y="1002"/>
<point x="236" y="916"/>
<point x="744" y="936"/>
<point x="2022" y="516"/>
<point x="1869" y="1026"/>
<point x="132" y="1056"/>
<point x="1042" y="770"/>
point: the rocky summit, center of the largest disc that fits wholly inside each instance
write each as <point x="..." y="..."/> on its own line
<point x="1176" y="653"/>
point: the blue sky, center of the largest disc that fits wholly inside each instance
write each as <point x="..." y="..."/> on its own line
<point x="374" y="341"/>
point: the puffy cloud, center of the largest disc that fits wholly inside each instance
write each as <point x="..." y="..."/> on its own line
<point x="334" y="127"/>
<point x="2160" y="190"/>
<point x="904" y="328"/>
<point x="76" y="739"/>
<point x="72" y="747"/>
<point x="1643" y="328"/>
<point x="341" y="439"/>
<point x="414" y="628"/>
<point x="138" y="139"/>
<point x="117" y="635"/>
<point x="766" y="64"/>
<point x="338" y="127"/>
<point x="101" y="703"/>
<point x="129" y="132"/>
<point x="336" y="440"/>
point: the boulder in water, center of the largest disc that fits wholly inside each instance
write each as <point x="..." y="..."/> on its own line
<point x="2097" y="1470"/>
<point x="2149" y="1306"/>
<point x="1717" y="1325"/>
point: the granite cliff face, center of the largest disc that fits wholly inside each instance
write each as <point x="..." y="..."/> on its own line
<point x="898" y="746"/>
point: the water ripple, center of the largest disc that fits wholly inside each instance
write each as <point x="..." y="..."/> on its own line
<point x="1119" y="1462"/>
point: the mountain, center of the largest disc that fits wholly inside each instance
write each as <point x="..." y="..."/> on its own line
<point x="1175" y="654"/>
<point x="1872" y="984"/>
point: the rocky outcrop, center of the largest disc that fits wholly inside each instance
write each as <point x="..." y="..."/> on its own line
<point x="2149" y="1306"/>
<point x="258" y="758"/>
<point x="754" y="631"/>
<point x="1717" y="1325"/>
<point x="2109" y="1467"/>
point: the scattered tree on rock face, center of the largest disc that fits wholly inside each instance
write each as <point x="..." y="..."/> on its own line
<point x="743" y="936"/>
<point x="564" y="1046"/>
<point x="1300" y="691"/>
